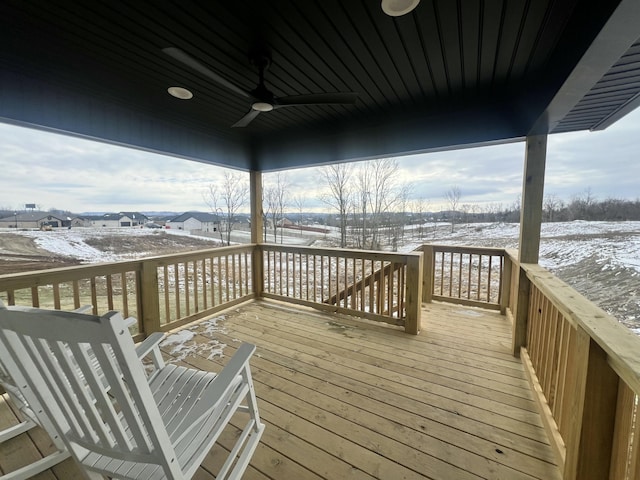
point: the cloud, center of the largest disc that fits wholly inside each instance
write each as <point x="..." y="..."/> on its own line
<point x="81" y="175"/>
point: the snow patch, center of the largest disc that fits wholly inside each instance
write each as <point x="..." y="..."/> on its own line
<point x="183" y="343"/>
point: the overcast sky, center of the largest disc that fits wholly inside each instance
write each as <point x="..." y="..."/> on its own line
<point x="56" y="171"/>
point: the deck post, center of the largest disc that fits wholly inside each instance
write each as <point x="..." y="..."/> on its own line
<point x="413" y="305"/>
<point x="592" y="419"/>
<point x="530" y="224"/>
<point x="505" y="289"/>
<point x="149" y="298"/>
<point x="257" y="267"/>
<point x="427" y="273"/>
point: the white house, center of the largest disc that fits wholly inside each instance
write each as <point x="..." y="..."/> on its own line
<point x="118" y="220"/>
<point x="195" y="221"/>
<point x="35" y="219"/>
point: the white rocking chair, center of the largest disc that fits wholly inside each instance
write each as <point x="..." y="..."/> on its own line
<point x="29" y="422"/>
<point x="85" y="374"/>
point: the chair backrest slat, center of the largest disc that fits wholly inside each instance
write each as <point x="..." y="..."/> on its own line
<point x="81" y="398"/>
<point x="46" y="368"/>
<point x="122" y="396"/>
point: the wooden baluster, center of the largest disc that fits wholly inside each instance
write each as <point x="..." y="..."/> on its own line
<point x="176" y="276"/>
<point x="233" y="276"/>
<point x="450" y="273"/>
<point x="479" y="283"/>
<point x="196" y="302"/>
<point x="76" y="294"/>
<point x="460" y="275"/>
<point x="35" y="299"/>
<point x="203" y="268"/>
<point x="94" y="295"/>
<point x="469" y="288"/>
<point x="166" y="284"/>
<point x="489" y="279"/>
<point x="56" y="295"/>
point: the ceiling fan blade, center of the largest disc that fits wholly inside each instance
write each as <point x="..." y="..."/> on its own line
<point x="191" y="62"/>
<point x="318" y="99"/>
<point x="246" y="120"/>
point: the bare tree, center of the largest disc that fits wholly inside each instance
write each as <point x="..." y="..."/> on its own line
<point x="299" y="201"/>
<point x="226" y="200"/>
<point x="452" y="196"/>
<point x="418" y="208"/>
<point x="381" y="192"/>
<point x="275" y="203"/>
<point x="270" y="211"/>
<point x="581" y="206"/>
<point x="551" y="205"/>
<point x="337" y="178"/>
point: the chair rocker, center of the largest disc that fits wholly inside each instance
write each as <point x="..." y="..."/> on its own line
<point x="84" y="372"/>
<point x="29" y="421"/>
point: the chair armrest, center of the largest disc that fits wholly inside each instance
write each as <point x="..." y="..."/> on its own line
<point x="150" y="346"/>
<point x="84" y="309"/>
<point x="224" y="380"/>
<point x="130" y="321"/>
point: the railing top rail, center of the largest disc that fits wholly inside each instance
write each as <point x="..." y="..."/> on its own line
<point x="621" y="345"/>
<point x="339" y="252"/>
<point x="199" y="254"/>
<point x="465" y="249"/>
<point x="16" y="281"/>
<point x="65" y="274"/>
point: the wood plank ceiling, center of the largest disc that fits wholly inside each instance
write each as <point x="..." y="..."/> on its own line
<point x="449" y="74"/>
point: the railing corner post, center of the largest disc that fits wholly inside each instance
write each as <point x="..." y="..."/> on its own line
<point x="150" y="298"/>
<point x="520" y="317"/>
<point x="414" y="293"/>
<point x="505" y="293"/>
<point x="427" y="273"/>
<point x="257" y="271"/>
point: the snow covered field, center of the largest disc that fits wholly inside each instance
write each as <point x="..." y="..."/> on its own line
<point x="599" y="259"/>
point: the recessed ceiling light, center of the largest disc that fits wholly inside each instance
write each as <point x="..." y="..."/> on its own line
<point x="262" y="106"/>
<point x="179" y="92"/>
<point x="396" y="8"/>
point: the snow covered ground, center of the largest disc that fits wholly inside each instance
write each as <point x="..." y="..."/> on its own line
<point x="599" y="259"/>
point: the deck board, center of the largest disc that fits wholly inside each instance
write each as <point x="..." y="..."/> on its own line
<point x="343" y="398"/>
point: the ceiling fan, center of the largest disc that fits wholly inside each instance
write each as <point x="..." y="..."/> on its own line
<point x="262" y="100"/>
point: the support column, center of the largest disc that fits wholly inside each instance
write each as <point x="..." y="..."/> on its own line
<point x="255" y="184"/>
<point x="532" y="193"/>
<point x="530" y="224"/>
<point x="257" y="267"/>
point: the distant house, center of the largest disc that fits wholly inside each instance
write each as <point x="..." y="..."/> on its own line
<point x="35" y="219"/>
<point x="132" y="219"/>
<point x="119" y="220"/>
<point x="195" y="221"/>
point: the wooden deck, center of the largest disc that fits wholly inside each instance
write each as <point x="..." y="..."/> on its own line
<point x="343" y="398"/>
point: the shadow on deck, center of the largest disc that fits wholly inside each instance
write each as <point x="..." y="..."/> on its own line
<point x="345" y="398"/>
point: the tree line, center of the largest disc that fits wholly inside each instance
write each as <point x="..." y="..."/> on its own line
<point x="370" y="205"/>
<point x="584" y="206"/>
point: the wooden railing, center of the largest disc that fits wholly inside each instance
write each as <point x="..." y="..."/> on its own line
<point x="161" y="292"/>
<point x="584" y="369"/>
<point x="168" y="291"/>
<point x="114" y="286"/>
<point x="193" y="285"/>
<point x="466" y="275"/>
<point x="374" y="285"/>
